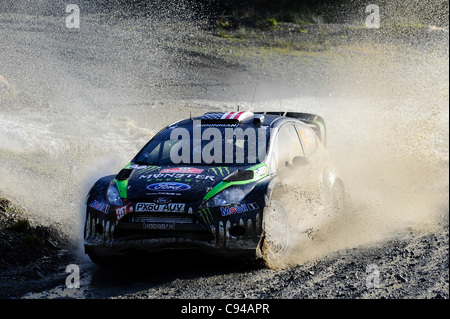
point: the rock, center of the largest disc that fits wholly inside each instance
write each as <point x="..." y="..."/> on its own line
<point x="401" y="278"/>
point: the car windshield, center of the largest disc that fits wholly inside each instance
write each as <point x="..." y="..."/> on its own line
<point x="206" y="145"/>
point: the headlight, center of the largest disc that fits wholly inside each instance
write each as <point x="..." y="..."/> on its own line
<point x="232" y="195"/>
<point x="113" y="196"/>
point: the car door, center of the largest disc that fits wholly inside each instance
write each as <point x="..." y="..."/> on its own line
<point x="288" y="149"/>
<point x="313" y="156"/>
<point x="291" y="189"/>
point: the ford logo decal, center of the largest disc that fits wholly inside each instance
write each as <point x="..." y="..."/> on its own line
<point x="162" y="200"/>
<point x="179" y="187"/>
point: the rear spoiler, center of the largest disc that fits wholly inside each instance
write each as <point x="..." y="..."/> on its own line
<point x="316" y="122"/>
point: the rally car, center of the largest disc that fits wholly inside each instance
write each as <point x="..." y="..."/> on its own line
<point x="208" y="183"/>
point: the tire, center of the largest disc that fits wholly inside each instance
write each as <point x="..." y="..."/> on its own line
<point x="104" y="261"/>
<point x="276" y="233"/>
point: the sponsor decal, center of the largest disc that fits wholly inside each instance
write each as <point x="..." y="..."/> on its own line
<point x="165" y="208"/>
<point x="206" y="215"/>
<point x="162" y="200"/>
<point x="185" y="170"/>
<point x="218" y="125"/>
<point x="237" y="209"/>
<point x="222" y="171"/>
<point x="122" y="211"/>
<point x="240" y="116"/>
<point x="104" y="208"/>
<point x="178" y="187"/>
<point x="263" y="170"/>
<point x="149" y="169"/>
<point x="148" y="226"/>
<point x="135" y="166"/>
<point x="163" y="193"/>
<point x="183" y="177"/>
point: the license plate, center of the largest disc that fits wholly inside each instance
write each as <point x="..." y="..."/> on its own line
<point x="165" y="226"/>
<point x="160" y="208"/>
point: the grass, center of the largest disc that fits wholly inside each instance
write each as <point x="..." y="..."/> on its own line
<point x="304" y="31"/>
<point x="22" y="225"/>
<point x="315" y="39"/>
<point x="239" y="34"/>
<point x="7" y="207"/>
<point x="4" y="204"/>
<point x="318" y="45"/>
<point x="25" y="233"/>
<point x="263" y="20"/>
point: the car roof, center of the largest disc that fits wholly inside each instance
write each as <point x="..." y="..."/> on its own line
<point x="252" y="119"/>
<point x="257" y="119"/>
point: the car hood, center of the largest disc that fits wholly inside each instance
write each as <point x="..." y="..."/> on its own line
<point x="179" y="182"/>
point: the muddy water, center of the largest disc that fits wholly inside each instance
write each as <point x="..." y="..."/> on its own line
<point x="78" y="104"/>
<point x="388" y="121"/>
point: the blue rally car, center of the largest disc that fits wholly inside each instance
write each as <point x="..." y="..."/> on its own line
<point x="209" y="183"/>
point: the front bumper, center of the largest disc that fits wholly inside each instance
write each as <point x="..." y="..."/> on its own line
<point x="232" y="231"/>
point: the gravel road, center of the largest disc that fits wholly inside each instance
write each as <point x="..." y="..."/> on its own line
<point x="76" y="104"/>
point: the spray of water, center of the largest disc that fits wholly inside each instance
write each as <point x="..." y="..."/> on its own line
<point x="77" y="103"/>
<point x="387" y="115"/>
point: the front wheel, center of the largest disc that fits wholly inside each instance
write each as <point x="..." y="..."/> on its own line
<point x="276" y="233"/>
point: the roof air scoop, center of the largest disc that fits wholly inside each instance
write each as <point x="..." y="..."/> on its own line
<point x="240" y="175"/>
<point x="124" y="174"/>
<point x="258" y="119"/>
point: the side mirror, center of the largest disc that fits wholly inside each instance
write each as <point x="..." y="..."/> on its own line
<point x="300" y="161"/>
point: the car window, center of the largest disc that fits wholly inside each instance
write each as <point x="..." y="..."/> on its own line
<point x="158" y="154"/>
<point x="308" y="138"/>
<point x="288" y="145"/>
<point x="230" y="146"/>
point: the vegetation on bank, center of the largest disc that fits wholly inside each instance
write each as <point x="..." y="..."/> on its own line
<point x="21" y="242"/>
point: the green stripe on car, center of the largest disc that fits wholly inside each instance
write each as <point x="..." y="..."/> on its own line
<point x="225" y="184"/>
